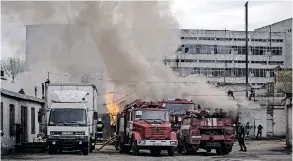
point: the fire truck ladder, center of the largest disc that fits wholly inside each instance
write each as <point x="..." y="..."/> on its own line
<point x="107" y="142"/>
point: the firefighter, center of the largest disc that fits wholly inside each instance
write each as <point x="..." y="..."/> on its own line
<point x="252" y="94"/>
<point x="230" y="94"/>
<point x="241" y="137"/>
<point x="259" y="131"/>
<point x="21" y="91"/>
<point x="100" y="128"/>
<point x="247" y="128"/>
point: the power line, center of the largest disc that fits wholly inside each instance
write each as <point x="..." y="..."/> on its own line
<point x="129" y="81"/>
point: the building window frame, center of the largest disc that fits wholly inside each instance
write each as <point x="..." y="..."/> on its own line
<point x="33" y="120"/>
<point x="11" y="119"/>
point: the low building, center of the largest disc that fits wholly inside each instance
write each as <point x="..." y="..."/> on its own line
<point x="19" y="119"/>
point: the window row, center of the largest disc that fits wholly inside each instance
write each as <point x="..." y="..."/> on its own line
<point x="232" y="72"/>
<point x="224" y="49"/>
<point x="12" y="121"/>
<point x="227" y="61"/>
<point x="231" y="39"/>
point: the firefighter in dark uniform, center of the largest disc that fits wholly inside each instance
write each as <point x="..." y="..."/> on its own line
<point x="231" y="94"/>
<point x="100" y="128"/>
<point x="241" y="136"/>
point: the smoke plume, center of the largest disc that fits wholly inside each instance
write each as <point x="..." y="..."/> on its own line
<point x="129" y="41"/>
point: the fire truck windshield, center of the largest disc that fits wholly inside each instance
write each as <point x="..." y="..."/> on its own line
<point x="152" y="115"/>
<point x="178" y="108"/>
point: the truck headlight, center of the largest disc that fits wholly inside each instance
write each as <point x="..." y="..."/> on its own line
<point x="173" y="142"/>
<point x="53" y="136"/>
<point x="79" y="133"/>
<point x="83" y="137"/>
<point x="196" y="137"/>
<point x="141" y="142"/>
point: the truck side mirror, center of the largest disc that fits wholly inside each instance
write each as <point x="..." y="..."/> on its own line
<point x="95" y="115"/>
<point x="39" y="117"/>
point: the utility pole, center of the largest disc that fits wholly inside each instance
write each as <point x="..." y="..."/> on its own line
<point x="246" y="44"/>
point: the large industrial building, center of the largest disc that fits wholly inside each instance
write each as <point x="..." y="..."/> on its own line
<point x="220" y="54"/>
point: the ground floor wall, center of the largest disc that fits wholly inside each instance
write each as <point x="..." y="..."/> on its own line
<point x="19" y="122"/>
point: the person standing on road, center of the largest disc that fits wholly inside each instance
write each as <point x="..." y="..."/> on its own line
<point x="259" y="131"/>
<point x="100" y="128"/>
<point x="241" y="136"/>
<point x="247" y="128"/>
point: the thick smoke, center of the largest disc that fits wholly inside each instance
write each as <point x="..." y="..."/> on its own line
<point x="126" y="36"/>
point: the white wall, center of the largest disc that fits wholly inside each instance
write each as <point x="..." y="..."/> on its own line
<point x="254" y="116"/>
<point x="279" y="118"/>
<point x="7" y="141"/>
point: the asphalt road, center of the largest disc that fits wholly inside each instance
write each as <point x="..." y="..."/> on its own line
<point x="257" y="151"/>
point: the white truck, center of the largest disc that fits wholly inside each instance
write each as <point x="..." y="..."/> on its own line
<point x="71" y="117"/>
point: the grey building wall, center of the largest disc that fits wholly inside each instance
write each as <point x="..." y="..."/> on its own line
<point x="286" y="27"/>
<point x="9" y="98"/>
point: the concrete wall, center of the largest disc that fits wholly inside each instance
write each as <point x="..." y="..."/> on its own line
<point x="279" y="119"/>
<point x="8" y="141"/>
<point x="254" y="116"/>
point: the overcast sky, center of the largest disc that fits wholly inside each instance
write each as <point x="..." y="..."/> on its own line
<point x="191" y="14"/>
<point x="229" y="14"/>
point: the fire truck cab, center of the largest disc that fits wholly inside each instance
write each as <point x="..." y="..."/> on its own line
<point x="177" y="108"/>
<point x="145" y="125"/>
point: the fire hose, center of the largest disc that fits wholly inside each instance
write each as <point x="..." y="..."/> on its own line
<point x="111" y="139"/>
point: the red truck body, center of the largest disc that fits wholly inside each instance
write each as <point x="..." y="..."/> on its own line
<point x="200" y="132"/>
<point x="144" y="125"/>
<point x="177" y="108"/>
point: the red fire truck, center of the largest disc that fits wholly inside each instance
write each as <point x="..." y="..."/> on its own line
<point x="145" y="125"/>
<point x="177" y="108"/>
<point x="206" y="130"/>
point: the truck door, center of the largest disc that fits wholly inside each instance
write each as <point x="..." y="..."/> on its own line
<point x="130" y="124"/>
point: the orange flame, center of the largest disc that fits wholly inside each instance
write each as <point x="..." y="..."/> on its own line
<point x="112" y="107"/>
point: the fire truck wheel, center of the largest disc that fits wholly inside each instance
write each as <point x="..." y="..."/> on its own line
<point x="52" y="150"/>
<point x="155" y="152"/>
<point x="135" y="148"/>
<point x="171" y="151"/>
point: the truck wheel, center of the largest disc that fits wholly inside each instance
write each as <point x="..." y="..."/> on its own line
<point x="85" y="151"/>
<point x="219" y="151"/>
<point x="135" y="148"/>
<point x="51" y="150"/>
<point x="171" y="151"/>
<point x="155" y="152"/>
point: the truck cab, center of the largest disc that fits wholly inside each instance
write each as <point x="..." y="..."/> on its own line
<point x="177" y="108"/>
<point x="71" y="117"/>
<point x="206" y="130"/>
<point x="145" y="126"/>
<point x="68" y="127"/>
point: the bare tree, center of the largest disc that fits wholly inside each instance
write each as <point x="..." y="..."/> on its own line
<point x="284" y="80"/>
<point x="12" y="66"/>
